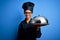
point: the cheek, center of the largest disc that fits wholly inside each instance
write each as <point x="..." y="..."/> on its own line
<point x="30" y="15"/>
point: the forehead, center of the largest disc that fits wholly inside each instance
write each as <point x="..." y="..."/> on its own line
<point x="27" y="11"/>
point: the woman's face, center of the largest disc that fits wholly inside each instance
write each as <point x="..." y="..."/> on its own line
<point x="28" y="14"/>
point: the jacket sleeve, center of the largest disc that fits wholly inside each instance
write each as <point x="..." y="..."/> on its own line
<point x="38" y="33"/>
<point x="19" y="37"/>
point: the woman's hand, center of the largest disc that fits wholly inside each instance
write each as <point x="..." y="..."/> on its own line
<point x="37" y="26"/>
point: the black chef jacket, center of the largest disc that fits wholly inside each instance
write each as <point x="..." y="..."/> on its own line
<point x="27" y="31"/>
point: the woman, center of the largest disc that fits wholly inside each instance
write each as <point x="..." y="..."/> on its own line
<point x="28" y="31"/>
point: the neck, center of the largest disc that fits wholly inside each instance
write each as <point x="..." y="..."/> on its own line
<point x="27" y="20"/>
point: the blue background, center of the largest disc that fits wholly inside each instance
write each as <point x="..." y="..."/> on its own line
<point x="11" y="14"/>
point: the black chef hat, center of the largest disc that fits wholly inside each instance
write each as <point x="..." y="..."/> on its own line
<point x="28" y="6"/>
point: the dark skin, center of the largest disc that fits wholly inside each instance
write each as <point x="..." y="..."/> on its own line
<point x="28" y="15"/>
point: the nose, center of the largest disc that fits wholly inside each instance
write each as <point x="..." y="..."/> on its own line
<point x="27" y="14"/>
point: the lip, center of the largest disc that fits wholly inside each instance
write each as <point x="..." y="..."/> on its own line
<point x="27" y="16"/>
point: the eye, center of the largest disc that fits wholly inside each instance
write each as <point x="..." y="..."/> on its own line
<point x="27" y="12"/>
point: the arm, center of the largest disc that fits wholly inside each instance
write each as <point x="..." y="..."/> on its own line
<point x="38" y="32"/>
<point x="19" y="32"/>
